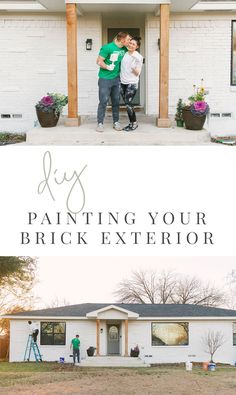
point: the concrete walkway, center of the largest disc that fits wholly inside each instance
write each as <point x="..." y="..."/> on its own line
<point x="113" y="361"/>
<point x="146" y="134"/>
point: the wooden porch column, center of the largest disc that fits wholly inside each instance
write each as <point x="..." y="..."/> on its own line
<point x="72" y="77"/>
<point x="98" y="337"/>
<point x="163" y="121"/>
<point x="126" y="338"/>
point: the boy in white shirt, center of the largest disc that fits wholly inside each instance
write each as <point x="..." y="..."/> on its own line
<point x="131" y="67"/>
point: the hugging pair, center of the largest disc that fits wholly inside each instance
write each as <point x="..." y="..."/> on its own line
<point x="120" y="67"/>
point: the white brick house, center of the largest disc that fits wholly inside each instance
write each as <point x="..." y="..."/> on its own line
<point x="33" y="47"/>
<point x="164" y="333"/>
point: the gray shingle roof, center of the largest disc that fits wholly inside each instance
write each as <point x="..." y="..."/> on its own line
<point x="144" y="310"/>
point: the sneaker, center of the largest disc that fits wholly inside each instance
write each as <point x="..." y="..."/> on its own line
<point x="100" y="128"/>
<point x="117" y="126"/>
<point x="131" y="126"/>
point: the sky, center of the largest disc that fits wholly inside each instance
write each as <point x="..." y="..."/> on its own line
<point x="94" y="279"/>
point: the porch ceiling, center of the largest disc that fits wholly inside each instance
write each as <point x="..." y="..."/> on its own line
<point x="110" y="6"/>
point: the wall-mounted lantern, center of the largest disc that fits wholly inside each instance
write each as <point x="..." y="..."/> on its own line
<point x="89" y="44"/>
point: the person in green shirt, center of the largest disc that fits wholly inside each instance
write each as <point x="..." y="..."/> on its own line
<point x="75" y="344"/>
<point x="109" y="60"/>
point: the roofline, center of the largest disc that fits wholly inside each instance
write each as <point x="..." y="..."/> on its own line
<point x="95" y="313"/>
<point x="72" y="318"/>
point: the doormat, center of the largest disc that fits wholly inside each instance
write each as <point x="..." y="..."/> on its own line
<point x="230" y="140"/>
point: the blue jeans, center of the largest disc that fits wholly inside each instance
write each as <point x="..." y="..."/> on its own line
<point x="76" y="353"/>
<point x="108" y="88"/>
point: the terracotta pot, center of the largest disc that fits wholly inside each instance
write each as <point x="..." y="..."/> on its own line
<point x="47" y="119"/>
<point x="193" y="122"/>
<point x="205" y="365"/>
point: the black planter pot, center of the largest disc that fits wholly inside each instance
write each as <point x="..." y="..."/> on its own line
<point x="91" y="351"/>
<point x="180" y="123"/>
<point x="192" y="122"/>
<point x="134" y="354"/>
<point x="47" y="119"/>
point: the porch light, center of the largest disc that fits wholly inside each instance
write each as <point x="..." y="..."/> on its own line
<point x="101" y="330"/>
<point x="89" y="44"/>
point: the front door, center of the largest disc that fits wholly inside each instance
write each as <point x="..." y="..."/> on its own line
<point x="133" y="32"/>
<point x="113" y="339"/>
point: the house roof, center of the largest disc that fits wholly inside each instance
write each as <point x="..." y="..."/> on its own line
<point x="143" y="310"/>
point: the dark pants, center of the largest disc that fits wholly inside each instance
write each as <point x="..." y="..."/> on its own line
<point x="76" y="352"/>
<point x="128" y="92"/>
<point x="35" y="335"/>
<point x="108" y="88"/>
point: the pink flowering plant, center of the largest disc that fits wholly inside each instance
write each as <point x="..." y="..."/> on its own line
<point x="53" y="102"/>
<point x="198" y="106"/>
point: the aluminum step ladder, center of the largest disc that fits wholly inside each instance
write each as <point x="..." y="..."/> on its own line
<point x="32" y="346"/>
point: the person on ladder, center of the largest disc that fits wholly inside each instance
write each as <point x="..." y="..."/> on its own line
<point x="33" y="327"/>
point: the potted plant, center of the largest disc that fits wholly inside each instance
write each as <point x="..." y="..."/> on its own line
<point x="49" y="108"/>
<point x="194" y="114"/>
<point x="91" y="351"/>
<point x="134" y="352"/>
<point x="179" y="113"/>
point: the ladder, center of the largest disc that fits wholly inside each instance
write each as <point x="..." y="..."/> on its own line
<point x="32" y="346"/>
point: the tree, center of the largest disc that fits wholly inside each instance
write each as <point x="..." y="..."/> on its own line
<point x="167" y="287"/>
<point x="16" y="268"/>
<point x="56" y="302"/>
<point x="213" y="341"/>
<point x="146" y="287"/>
<point x="17" y="276"/>
<point x="231" y="289"/>
<point x="191" y="290"/>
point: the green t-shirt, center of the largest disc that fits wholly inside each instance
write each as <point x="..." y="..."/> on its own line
<point x="76" y="343"/>
<point x="111" y="54"/>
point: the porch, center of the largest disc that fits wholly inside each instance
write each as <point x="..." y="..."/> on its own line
<point x="146" y="134"/>
<point x="131" y="17"/>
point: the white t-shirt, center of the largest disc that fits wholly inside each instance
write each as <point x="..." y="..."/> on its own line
<point x="129" y="62"/>
<point x="32" y="327"/>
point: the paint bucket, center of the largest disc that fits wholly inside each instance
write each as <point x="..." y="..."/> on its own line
<point x="205" y="365"/>
<point x="189" y="366"/>
<point x="61" y="359"/>
<point x="212" y="367"/>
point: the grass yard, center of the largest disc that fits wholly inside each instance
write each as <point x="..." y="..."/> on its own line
<point x="11" y="138"/>
<point x="54" y="378"/>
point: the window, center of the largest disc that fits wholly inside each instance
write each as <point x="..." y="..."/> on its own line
<point x="170" y="333"/>
<point x="234" y="333"/>
<point x="233" y="66"/>
<point x="53" y="334"/>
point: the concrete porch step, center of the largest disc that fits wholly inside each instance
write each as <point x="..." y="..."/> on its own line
<point x="113" y="361"/>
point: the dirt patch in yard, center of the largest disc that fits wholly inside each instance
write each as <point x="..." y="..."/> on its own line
<point x="119" y="381"/>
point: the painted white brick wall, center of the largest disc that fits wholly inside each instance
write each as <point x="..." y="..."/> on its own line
<point x="34" y="62"/>
<point x="19" y="330"/>
<point x="139" y="333"/>
<point x="200" y="47"/>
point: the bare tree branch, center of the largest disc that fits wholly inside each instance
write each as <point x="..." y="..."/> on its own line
<point x="212" y="341"/>
<point x="167" y="287"/>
